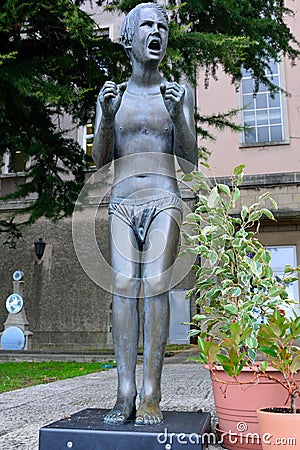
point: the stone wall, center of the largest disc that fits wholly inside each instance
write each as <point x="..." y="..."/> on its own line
<point x="65" y="309"/>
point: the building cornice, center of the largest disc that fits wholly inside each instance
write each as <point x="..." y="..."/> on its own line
<point x="266" y="180"/>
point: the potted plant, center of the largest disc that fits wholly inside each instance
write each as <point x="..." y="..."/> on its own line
<point x="280" y="426"/>
<point x="236" y="292"/>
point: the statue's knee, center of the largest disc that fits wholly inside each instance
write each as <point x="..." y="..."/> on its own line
<point x="155" y="285"/>
<point x="125" y="285"/>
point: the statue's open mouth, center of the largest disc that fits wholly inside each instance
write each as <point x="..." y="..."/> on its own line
<point x="154" y="44"/>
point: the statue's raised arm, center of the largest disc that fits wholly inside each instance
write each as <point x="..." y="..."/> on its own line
<point x="179" y="102"/>
<point x="108" y="103"/>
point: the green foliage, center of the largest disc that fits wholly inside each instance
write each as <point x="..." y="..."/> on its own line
<point x="235" y="288"/>
<point x="279" y="341"/>
<point x="52" y="63"/>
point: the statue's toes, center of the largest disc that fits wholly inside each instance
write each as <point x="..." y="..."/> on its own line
<point x="158" y="419"/>
<point x="139" y="420"/>
<point x="146" y="419"/>
<point x="115" y="417"/>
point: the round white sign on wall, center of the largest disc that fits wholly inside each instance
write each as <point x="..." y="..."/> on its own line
<point x="13" y="339"/>
<point x="14" y="303"/>
<point x="18" y="275"/>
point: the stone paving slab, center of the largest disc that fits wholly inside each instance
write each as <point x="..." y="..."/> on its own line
<point x="185" y="387"/>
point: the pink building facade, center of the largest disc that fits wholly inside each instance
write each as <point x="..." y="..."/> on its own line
<point x="270" y="148"/>
<point x="230" y="149"/>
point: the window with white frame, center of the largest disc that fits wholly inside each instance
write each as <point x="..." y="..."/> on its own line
<point x="88" y="138"/>
<point x="14" y="162"/>
<point x="280" y="257"/>
<point x="262" y="111"/>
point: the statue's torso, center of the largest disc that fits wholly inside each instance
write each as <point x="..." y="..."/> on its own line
<point x="142" y="127"/>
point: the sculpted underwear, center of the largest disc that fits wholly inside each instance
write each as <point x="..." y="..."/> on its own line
<point x="139" y="213"/>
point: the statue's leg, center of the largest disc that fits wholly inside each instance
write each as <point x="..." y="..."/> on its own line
<point x="160" y="254"/>
<point x="126" y="285"/>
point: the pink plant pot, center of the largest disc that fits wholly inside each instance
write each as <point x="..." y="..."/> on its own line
<point x="236" y="404"/>
<point x="279" y="430"/>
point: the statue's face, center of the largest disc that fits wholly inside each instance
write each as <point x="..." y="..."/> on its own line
<point x="150" y="37"/>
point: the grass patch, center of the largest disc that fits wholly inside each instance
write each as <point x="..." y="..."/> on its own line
<point x="178" y="347"/>
<point x="16" y="375"/>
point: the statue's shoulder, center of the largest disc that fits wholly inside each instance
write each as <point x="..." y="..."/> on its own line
<point x="188" y="97"/>
<point x="187" y="89"/>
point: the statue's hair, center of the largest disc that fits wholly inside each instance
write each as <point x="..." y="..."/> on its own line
<point x="128" y="26"/>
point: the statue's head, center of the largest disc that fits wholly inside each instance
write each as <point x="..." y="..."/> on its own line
<point x="132" y="19"/>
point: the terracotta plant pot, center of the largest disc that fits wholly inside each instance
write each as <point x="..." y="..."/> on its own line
<point x="279" y="429"/>
<point x="236" y="406"/>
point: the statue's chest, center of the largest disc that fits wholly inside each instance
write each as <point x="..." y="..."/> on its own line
<point x="143" y="113"/>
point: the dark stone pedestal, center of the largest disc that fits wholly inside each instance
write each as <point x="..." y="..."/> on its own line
<point x="87" y="431"/>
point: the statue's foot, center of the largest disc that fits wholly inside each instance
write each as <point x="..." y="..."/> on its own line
<point x="123" y="411"/>
<point x="149" y="412"/>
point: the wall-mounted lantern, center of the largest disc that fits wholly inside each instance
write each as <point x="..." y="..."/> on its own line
<point x="39" y="248"/>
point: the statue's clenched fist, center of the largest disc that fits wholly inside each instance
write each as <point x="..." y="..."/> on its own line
<point x="173" y="95"/>
<point x="110" y="98"/>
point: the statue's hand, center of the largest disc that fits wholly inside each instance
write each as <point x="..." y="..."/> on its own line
<point x="110" y="98"/>
<point x="173" y="95"/>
